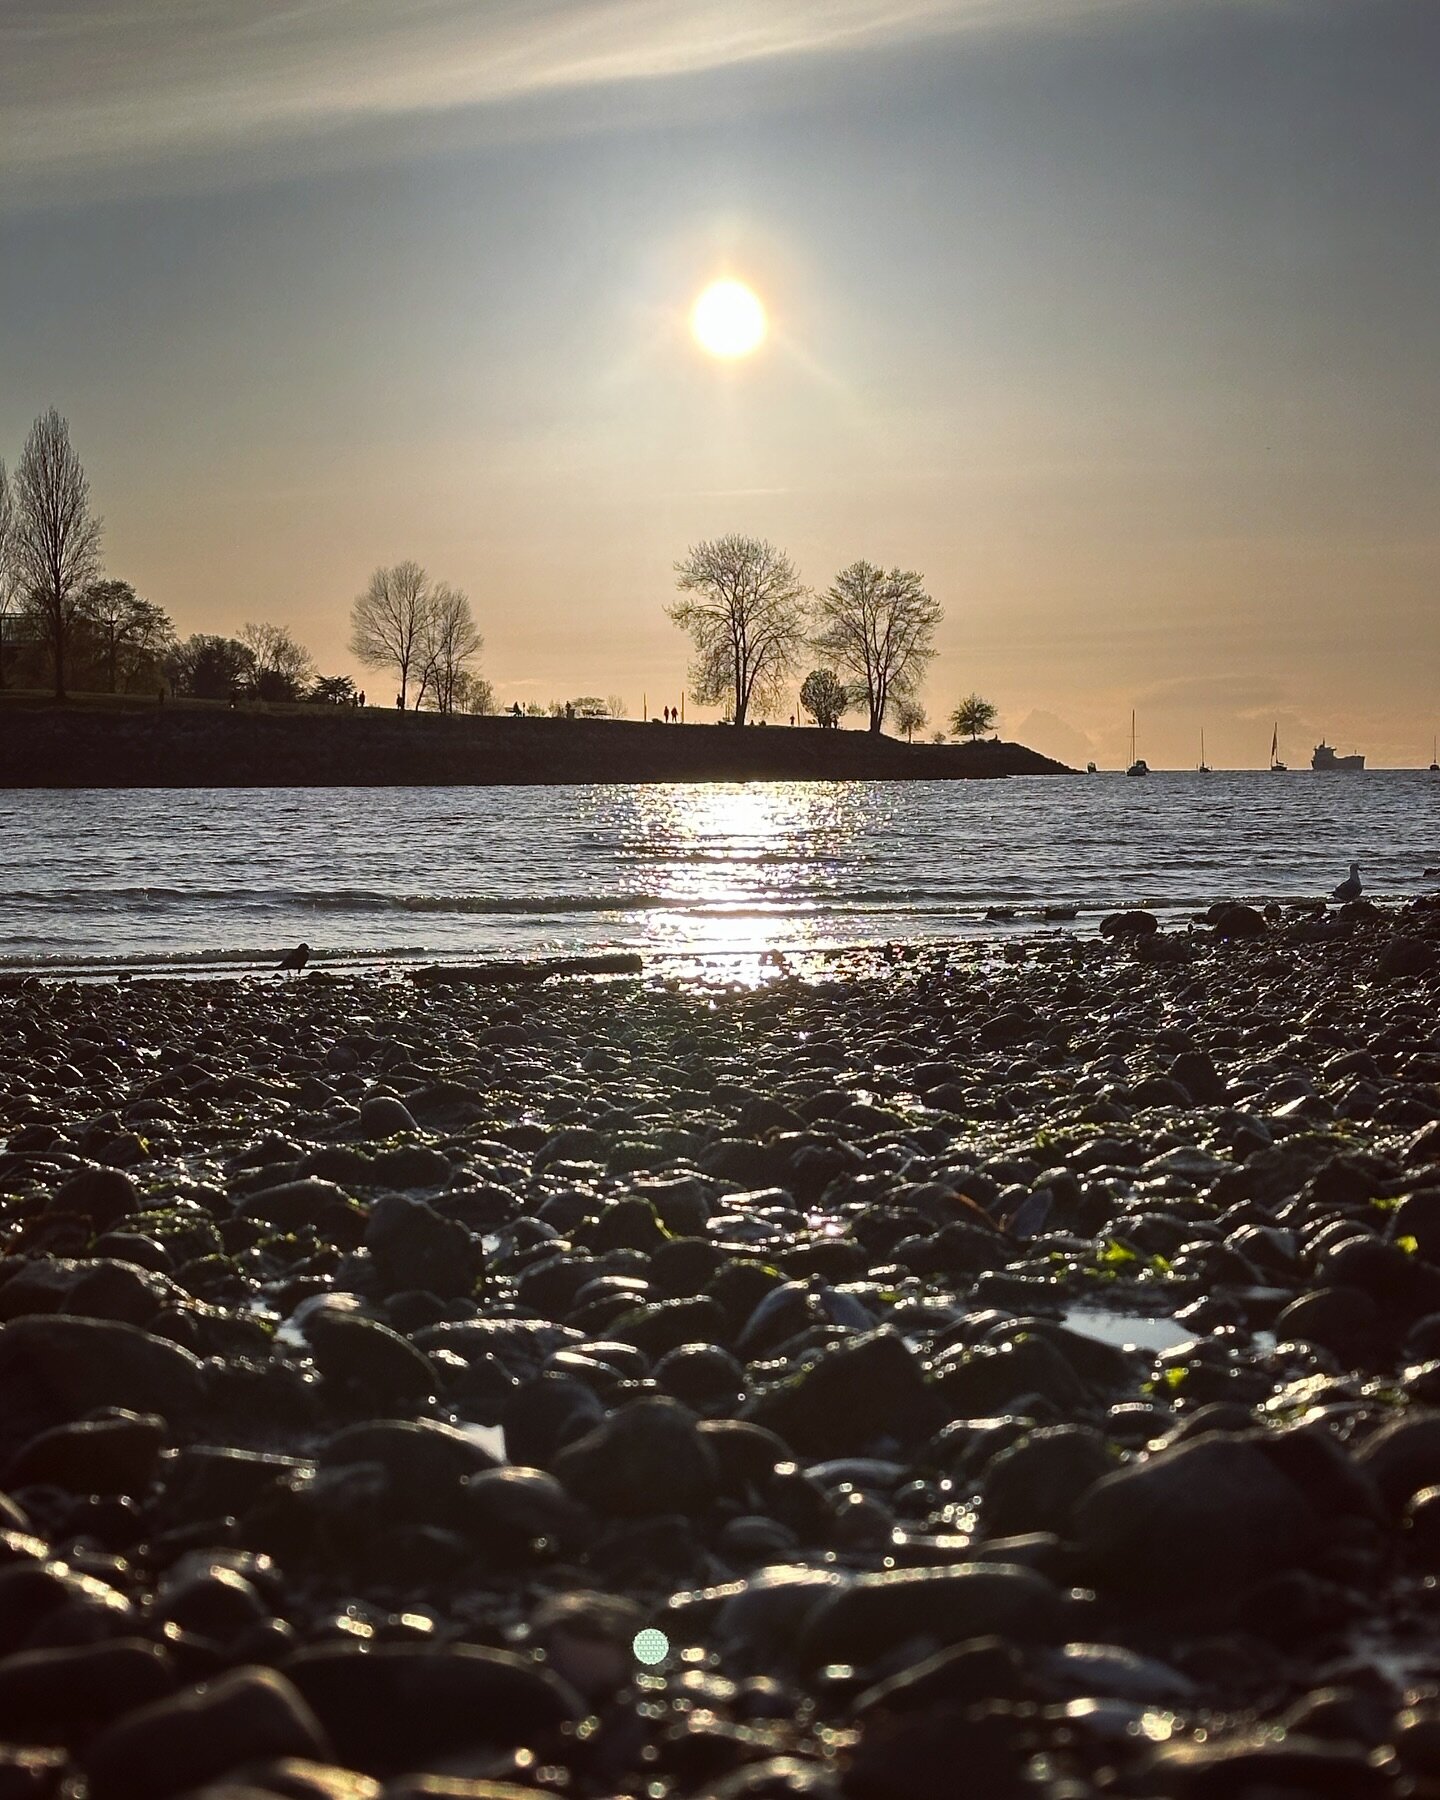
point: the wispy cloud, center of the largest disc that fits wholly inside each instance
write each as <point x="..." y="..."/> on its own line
<point x="86" y="84"/>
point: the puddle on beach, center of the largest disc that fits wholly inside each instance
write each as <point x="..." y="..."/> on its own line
<point x="1126" y="1330"/>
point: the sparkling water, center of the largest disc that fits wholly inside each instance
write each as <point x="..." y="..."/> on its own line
<point x="100" y="879"/>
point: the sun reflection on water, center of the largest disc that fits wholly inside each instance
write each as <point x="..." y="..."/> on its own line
<point x="726" y="858"/>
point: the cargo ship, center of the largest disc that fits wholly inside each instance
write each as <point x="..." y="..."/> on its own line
<point x="1325" y="757"/>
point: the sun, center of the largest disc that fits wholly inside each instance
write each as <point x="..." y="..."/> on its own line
<point x="728" y="320"/>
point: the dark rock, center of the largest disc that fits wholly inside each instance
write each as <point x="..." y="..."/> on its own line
<point x="1132" y="924"/>
<point x="875" y="1614"/>
<point x="1342" y="1319"/>
<point x="217" y="1603"/>
<point x="65" y="1696"/>
<point x="1238" y="922"/>
<point x="1407" y="959"/>
<point x="862" y="1389"/>
<point x="402" y="1707"/>
<point x="665" y="1326"/>
<point x="701" y="1376"/>
<point x="421" y="1457"/>
<point x="541" y="1417"/>
<point x="209" y="1481"/>
<point x="515" y="1512"/>
<point x="45" y="1605"/>
<point x="103" y="1196"/>
<point x="1034" y="1484"/>
<point x="1197" y="1074"/>
<point x="193" y="1737"/>
<point x="967" y="1674"/>
<point x="1418" y="1217"/>
<point x="414" y="1247"/>
<point x="1403" y="1457"/>
<point x="1254" y="1764"/>
<point x="383" y="1116"/>
<point x="1193" y="1526"/>
<point x="30" y="1773"/>
<point x="915" y="1757"/>
<point x="116" y="1455"/>
<point x="312" y="1204"/>
<point x="53" y="1369"/>
<point x="981" y="1383"/>
<point x="357" y="1355"/>
<point x="646" y="1458"/>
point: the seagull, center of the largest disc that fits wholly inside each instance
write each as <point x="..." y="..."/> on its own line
<point x="297" y="958"/>
<point x="1349" y="888"/>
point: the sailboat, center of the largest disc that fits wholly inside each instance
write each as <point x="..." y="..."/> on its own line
<point x="1435" y="756"/>
<point x="1276" y="766"/>
<point x="1204" y="768"/>
<point x="1138" y="765"/>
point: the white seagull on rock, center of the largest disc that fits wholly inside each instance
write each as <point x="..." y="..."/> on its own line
<point x="1349" y="888"/>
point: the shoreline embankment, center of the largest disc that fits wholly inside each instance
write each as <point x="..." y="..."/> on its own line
<point x="179" y="746"/>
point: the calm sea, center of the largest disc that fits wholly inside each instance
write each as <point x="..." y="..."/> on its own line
<point x="96" y="880"/>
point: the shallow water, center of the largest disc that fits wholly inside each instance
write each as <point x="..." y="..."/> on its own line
<point x="164" y="878"/>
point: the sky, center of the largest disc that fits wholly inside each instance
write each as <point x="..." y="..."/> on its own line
<point x="1115" y="318"/>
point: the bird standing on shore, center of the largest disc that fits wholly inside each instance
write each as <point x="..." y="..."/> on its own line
<point x="295" y="959"/>
<point x="1349" y="888"/>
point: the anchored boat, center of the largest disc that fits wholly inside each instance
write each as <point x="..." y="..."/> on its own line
<point x="1326" y="757"/>
<point x="1138" y="764"/>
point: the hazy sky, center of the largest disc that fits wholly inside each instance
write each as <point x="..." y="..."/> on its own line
<point x="1117" y="318"/>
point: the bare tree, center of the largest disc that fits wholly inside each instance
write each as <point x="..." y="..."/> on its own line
<point x="910" y="716"/>
<point x="284" y="668"/>
<point x="449" y="639"/>
<point x="823" y="695"/>
<point x="616" y="707"/>
<point x="57" y="539"/>
<point x="387" y="621"/>
<point x="878" y="627"/>
<point x="10" y="588"/>
<point x="746" y="611"/>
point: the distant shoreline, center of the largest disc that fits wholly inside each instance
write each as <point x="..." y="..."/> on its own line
<point x="185" y="747"/>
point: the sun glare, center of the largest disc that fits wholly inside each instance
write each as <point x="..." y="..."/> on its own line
<point x="728" y="319"/>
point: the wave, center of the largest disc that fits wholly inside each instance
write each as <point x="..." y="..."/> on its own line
<point x="534" y="903"/>
<point x="59" y="960"/>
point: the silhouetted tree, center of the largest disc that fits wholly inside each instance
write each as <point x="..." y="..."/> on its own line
<point x="333" y="690"/>
<point x="615" y="707"/>
<point x="129" y="633"/>
<point x="878" y="627"/>
<point x="972" y="717"/>
<point x="910" y="717"/>
<point x="283" y="667"/>
<point x="211" y="668"/>
<point x="10" y="582"/>
<point x="473" y="693"/>
<point x="823" y="695"/>
<point x="745" y="608"/>
<point x="449" y="639"/>
<point x="387" y="621"/>
<point x="57" y="539"/>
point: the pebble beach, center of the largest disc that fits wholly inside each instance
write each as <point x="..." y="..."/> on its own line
<point x="904" y="1373"/>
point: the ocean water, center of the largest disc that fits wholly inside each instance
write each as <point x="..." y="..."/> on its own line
<point x="162" y="879"/>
